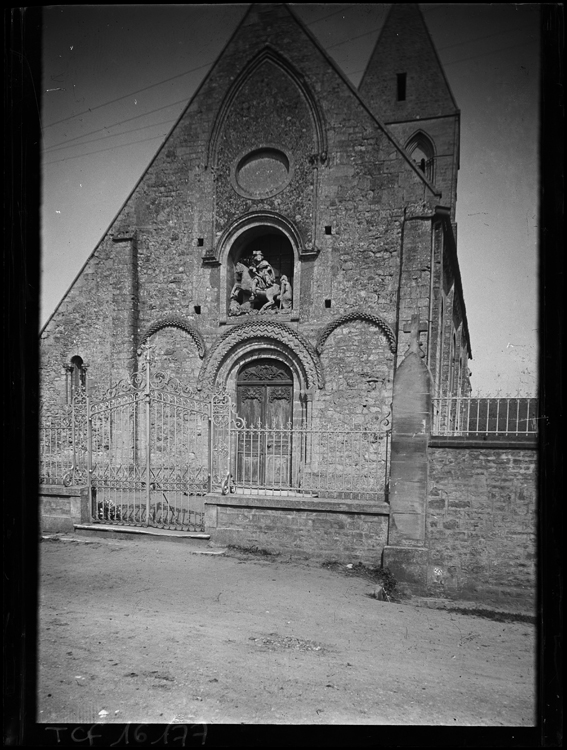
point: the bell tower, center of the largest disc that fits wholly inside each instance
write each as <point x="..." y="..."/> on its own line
<point x="406" y="88"/>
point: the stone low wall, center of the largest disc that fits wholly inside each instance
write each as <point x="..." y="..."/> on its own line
<point x="62" y="507"/>
<point x="323" y="529"/>
<point x="481" y="519"/>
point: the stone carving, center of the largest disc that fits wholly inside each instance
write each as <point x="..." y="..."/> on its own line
<point x="276" y="394"/>
<point x="357" y="315"/>
<point x="251" y="393"/>
<point x="263" y="332"/>
<point x="256" y="284"/>
<point x="414" y="328"/>
<point x="286" y="294"/>
<point x="263" y="372"/>
<point x="176" y="321"/>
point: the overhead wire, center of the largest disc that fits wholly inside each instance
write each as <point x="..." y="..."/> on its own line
<point x="60" y="146"/>
<point x="485" y="54"/>
<point x="125" y="96"/>
<point x="352" y="38"/>
<point x="165" y="80"/>
<point x="63" y="146"/>
<point x="112" y="135"/>
<point x="343" y="10"/>
<point x="480" y="38"/>
<point x="461" y="59"/>
<point x="101" y="150"/>
<point x="439" y="49"/>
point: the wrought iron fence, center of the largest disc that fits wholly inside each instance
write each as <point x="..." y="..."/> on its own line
<point x="508" y="416"/>
<point x="324" y="460"/>
<point x="56" y="448"/>
<point x="63" y="443"/>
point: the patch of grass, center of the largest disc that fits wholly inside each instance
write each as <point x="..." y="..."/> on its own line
<point x="489" y="614"/>
<point x="372" y="573"/>
<point x="253" y="550"/>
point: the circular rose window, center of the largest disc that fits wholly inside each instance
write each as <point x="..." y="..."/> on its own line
<point x="262" y="173"/>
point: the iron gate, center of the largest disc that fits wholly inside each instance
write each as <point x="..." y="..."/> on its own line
<point x="148" y="453"/>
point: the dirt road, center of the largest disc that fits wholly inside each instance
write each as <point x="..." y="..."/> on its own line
<point x="146" y="631"/>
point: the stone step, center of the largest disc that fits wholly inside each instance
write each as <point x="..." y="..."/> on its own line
<point x="198" y="543"/>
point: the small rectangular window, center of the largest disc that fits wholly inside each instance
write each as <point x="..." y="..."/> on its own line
<point x="328" y="230"/>
<point x="200" y="241"/>
<point x="401" y="86"/>
<point x="197" y="309"/>
<point x="327" y="303"/>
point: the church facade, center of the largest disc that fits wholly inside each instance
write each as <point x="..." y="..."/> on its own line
<point x="291" y="249"/>
<point x="347" y="195"/>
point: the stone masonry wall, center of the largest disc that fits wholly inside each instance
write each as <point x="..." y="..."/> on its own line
<point x="481" y="521"/>
<point x="93" y="322"/>
<point x="346" y="534"/>
<point x="62" y="507"/>
<point x="357" y="364"/>
<point x="174" y="352"/>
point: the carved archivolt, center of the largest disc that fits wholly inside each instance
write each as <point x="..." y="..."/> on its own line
<point x="177" y="321"/>
<point x="357" y="315"/>
<point x="263" y="332"/>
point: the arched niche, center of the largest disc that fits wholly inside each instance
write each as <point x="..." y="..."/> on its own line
<point x="279" y="243"/>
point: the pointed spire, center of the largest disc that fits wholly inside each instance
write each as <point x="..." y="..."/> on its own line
<point x="404" y="79"/>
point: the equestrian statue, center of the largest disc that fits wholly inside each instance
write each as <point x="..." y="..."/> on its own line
<point x="256" y="284"/>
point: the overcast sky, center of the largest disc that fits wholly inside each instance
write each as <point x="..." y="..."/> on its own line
<point x="116" y="78"/>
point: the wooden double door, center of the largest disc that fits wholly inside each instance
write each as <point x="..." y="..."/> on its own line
<point x="264" y="444"/>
